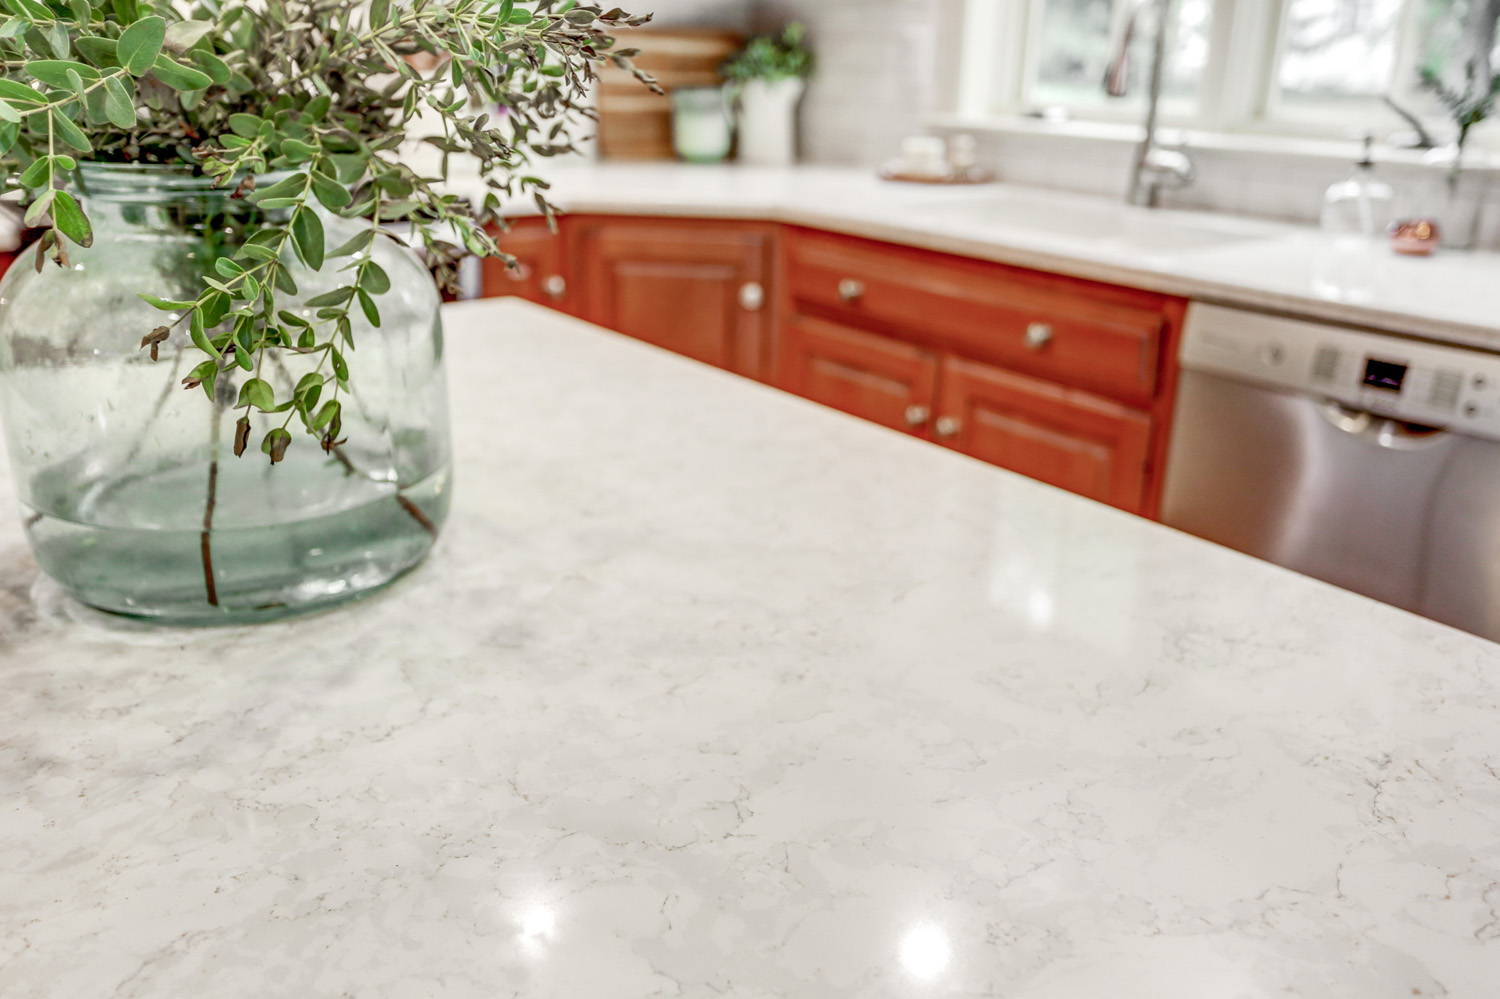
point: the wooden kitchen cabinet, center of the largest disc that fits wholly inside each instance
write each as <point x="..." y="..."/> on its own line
<point x="697" y="287"/>
<point x="541" y="271"/>
<point x="875" y="377"/>
<point x="1065" y="380"/>
<point x="1062" y="436"/>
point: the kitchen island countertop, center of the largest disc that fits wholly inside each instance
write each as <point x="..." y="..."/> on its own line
<point x="1451" y="297"/>
<point x="708" y="691"/>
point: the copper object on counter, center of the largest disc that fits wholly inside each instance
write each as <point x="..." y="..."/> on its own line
<point x="1416" y="237"/>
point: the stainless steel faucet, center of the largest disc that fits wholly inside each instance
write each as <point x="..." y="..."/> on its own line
<point x="1155" y="167"/>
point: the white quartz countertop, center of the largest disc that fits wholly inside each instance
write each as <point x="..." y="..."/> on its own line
<point x="1452" y="297"/>
<point x="708" y="691"/>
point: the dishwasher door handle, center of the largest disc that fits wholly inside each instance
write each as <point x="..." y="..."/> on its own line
<point x="1382" y="431"/>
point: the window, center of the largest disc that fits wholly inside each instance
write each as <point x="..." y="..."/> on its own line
<point x="1320" y="67"/>
<point x="1076" y="38"/>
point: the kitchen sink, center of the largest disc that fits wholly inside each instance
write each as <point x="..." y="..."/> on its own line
<point x="1110" y="225"/>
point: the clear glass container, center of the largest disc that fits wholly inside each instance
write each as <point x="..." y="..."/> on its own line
<point x="1361" y="206"/>
<point x="701" y="130"/>
<point x="130" y="492"/>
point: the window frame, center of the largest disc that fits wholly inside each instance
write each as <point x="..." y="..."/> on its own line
<point x="997" y="43"/>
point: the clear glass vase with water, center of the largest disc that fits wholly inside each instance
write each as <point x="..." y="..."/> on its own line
<point x="131" y="495"/>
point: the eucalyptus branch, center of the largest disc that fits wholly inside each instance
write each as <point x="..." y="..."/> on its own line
<point x="302" y="106"/>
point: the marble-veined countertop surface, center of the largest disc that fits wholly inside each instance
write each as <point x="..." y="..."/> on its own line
<point x="708" y="691"/>
<point x="1452" y="297"/>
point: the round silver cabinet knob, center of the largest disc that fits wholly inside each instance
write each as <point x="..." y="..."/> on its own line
<point x="555" y="286"/>
<point x="752" y="296"/>
<point x="917" y="415"/>
<point x="1038" y="335"/>
<point x="851" y="290"/>
<point x="948" y="426"/>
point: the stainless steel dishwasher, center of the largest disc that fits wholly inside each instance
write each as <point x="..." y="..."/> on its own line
<point x="1367" y="460"/>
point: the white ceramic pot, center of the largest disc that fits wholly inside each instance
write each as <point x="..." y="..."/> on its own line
<point x="768" y="121"/>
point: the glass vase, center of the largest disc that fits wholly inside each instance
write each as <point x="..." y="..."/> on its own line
<point x="131" y="494"/>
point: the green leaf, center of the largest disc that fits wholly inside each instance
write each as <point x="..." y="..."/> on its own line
<point x="177" y="76"/>
<point x="217" y="69"/>
<point x="166" y="304"/>
<point x="183" y="35"/>
<point x="330" y="192"/>
<point x="57" y="37"/>
<point x="375" y="281"/>
<point x="348" y="167"/>
<point x="141" y="44"/>
<point x="200" y="337"/>
<point x="287" y="187"/>
<point x="99" y="51"/>
<point x="118" y="106"/>
<point x="19" y="93"/>
<point x="355" y="245"/>
<point x="215" y="308"/>
<point x="337" y="296"/>
<point x="9" y="113"/>
<point x="317" y="108"/>
<point x="69" y="132"/>
<point x="205" y="374"/>
<point x="307" y="237"/>
<point x="67" y="216"/>
<point x="340" y="366"/>
<point x="257" y="392"/>
<point x="326" y="414"/>
<point x="244" y="125"/>
<point x="93" y="106"/>
<point x="256" y="252"/>
<point x="297" y="151"/>
<point x="367" y="305"/>
<point x="54" y="72"/>
<point x="38" y="208"/>
<point x="227" y="267"/>
<point x="39" y="173"/>
<point x="380" y="12"/>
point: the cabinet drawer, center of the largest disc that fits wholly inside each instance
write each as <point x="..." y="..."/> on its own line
<point x="874" y="377"/>
<point x="1061" y="436"/>
<point x="1075" y="332"/>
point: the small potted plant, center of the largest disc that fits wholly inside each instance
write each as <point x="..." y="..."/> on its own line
<point x="220" y="372"/>
<point x="770" y="75"/>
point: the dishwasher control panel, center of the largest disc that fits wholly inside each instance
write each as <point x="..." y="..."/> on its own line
<point x="1401" y="379"/>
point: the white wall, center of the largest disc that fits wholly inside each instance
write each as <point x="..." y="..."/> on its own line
<point x="878" y="72"/>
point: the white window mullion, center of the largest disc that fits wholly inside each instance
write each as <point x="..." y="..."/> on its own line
<point x="1251" y="38"/>
<point x="993" y="43"/>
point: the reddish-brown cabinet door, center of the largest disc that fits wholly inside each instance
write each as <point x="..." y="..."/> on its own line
<point x="875" y="377"/>
<point x="540" y="274"/>
<point x="1061" y="436"/>
<point x="699" y="288"/>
